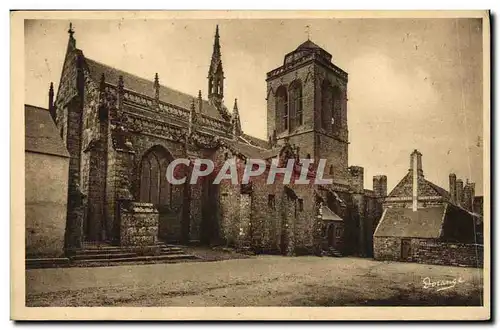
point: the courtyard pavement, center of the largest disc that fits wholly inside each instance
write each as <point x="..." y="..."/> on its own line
<point x="257" y="281"/>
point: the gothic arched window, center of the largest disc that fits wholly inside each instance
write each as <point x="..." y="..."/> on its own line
<point x="337" y="109"/>
<point x="281" y="109"/>
<point x="326" y="105"/>
<point x="296" y="116"/>
<point x="154" y="187"/>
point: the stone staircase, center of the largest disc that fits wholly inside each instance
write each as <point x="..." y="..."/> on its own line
<point x="332" y="252"/>
<point x="93" y="255"/>
<point x="109" y="255"/>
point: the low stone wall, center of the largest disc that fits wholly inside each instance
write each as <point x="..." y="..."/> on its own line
<point x="430" y="251"/>
<point x="443" y="253"/>
<point x="387" y="248"/>
<point x="138" y="224"/>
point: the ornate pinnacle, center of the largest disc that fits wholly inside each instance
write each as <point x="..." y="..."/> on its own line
<point x="200" y="101"/>
<point x="157" y="87"/>
<point x="157" y="80"/>
<point x="120" y="84"/>
<point x="70" y="30"/>
<point x="235" y="107"/>
<point x="102" y="83"/>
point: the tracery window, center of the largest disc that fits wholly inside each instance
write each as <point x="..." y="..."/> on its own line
<point x="281" y="109"/>
<point x="154" y="187"/>
<point x="296" y="113"/>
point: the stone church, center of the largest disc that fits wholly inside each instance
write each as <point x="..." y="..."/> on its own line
<point x="122" y="131"/>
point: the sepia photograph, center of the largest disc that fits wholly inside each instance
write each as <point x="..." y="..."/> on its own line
<point x="251" y="159"/>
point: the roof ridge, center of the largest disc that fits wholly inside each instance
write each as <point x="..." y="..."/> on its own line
<point x="35" y="106"/>
<point x="143" y="78"/>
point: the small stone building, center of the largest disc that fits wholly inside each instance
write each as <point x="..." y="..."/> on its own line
<point x="423" y="223"/>
<point x="46" y="185"/>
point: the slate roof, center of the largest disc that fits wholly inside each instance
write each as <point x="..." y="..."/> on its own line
<point x="328" y="214"/>
<point x="256" y="141"/>
<point x="308" y="44"/>
<point x="245" y="149"/>
<point x="404" y="222"/>
<point x="146" y="87"/>
<point x="41" y="134"/>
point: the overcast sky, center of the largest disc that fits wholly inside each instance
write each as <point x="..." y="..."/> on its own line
<point x="413" y="84"/>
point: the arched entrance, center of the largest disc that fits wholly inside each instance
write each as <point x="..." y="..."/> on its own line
<point x="167" y="198"/>
<point x="154" y="187"/>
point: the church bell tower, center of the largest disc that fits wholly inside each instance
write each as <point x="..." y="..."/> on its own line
<point x="307" y="106"/>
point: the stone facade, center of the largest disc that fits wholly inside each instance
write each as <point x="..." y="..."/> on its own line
<point x="122" y="131"/>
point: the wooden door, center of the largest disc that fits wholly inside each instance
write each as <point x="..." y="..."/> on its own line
<point x="405" y="249"/>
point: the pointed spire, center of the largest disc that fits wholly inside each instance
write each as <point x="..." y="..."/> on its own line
<point x="71" y="32"/>
<point x="157" y="89"/>
<point x="51" y="101"/>
<point x="51" y="94"/>
<point x="235" y="108"/>
<point x="157" y="80"/>
<point x="216" y="73"/>
<point x="200" y="102"/>
<point x="236" y="120"/>
<point x="216" y="41"/>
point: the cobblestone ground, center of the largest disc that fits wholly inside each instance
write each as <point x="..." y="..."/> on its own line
<point x="257" y="281"/>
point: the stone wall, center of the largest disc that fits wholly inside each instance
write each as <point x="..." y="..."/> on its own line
<point x="445" y="253"/>
<point x="387" y="248"/>
<point x="45" y="204"/>
<point x="430" y="251"/>
<point x="138" y="224"/>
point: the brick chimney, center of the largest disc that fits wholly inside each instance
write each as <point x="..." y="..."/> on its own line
<point x="453" y="187"/>
<point x="416" y="170"/>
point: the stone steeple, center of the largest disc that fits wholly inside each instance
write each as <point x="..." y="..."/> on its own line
<point x="236" y="121"/>
<point x="216" y="73"/>
<point x="71" y="41"/>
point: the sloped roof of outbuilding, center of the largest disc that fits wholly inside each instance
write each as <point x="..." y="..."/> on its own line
<point x="41" y="134"/>
<point x="404" y="222"/>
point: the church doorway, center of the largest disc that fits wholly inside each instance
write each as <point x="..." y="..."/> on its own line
<point x="155" y="188"/>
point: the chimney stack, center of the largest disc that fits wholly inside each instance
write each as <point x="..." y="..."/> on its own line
<point x="460" y="192"/>
<point x="380" y="185"/>
<point x="416" y="169"/>
<point x="453" y="187"/>
<point x="469" y="192"/>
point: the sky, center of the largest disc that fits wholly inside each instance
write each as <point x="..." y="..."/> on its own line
<point x="413" y="83"/>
